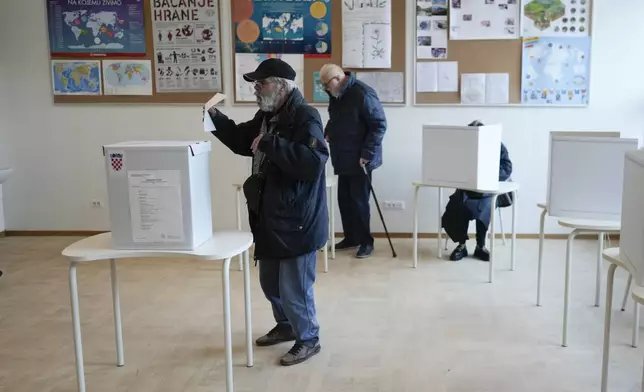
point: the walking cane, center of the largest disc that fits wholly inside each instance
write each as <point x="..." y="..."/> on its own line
<point x="382" y="219"/>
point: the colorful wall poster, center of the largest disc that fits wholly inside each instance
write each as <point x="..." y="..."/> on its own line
<point x="555" y="71"/>
<point x="556" y="18"/>
<point x="319" y="94"/>
<point x="127" y="77"/>
<point x="431" y="29"/>
<point x="283" y="26"/>
<point x="484" y="19"/>
<point x="70" y="77"/>
<point x="366" y="34"/>
<point x="248" y="62"/>
<point x="186" y="46"/>
<point x="98" y="27"/>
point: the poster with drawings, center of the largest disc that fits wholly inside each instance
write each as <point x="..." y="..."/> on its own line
<point x="366" y="33"/>
<point x="565" y="18"/>
<point x="484" y="19"/>
<point x="431" y="29"/>
<point x="186" y="46"/>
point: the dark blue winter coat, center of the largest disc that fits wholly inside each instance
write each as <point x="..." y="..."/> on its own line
<point x="356" y="126"/>
<point x="293" y="218"/>
<point x="477" y="204"/>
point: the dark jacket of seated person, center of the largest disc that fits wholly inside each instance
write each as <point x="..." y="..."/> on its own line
<point x="464" y="206"/>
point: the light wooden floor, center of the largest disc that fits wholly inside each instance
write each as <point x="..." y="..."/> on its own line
<point x="385" y="326"/>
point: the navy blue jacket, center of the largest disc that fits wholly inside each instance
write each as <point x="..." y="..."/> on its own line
<point x="356" y="126"/>
<point x="293" y="218"/>
<point x="478" y="204"/>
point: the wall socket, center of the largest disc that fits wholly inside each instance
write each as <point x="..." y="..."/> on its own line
<point x="394" y="205"/>
<point x="97" y="204"/>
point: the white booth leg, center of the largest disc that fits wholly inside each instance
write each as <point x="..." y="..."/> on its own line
<point x="636" y="324"/>
<point x="515" y="209"/>
<point x="542" y="223"/>
<point x="440" y="225"/>
<point x="600" y="260"/>
<point x="414" y="263"/>
<point x="566" y="316"/>
<point x="247" y="310"/>
<point x="628" y="290"/>
<point x="78" y="341"/>
<point x="607" y="317"/>
<point x="239" y="223"/>
<point x="225" y="273"/>
<point x="116" y="303"/>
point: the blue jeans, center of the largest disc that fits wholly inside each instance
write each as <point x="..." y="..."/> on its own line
<point x="288" y="285"/>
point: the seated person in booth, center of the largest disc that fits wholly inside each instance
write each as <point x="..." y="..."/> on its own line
<point x="356" y="126"/>
<point x="286" y="197"/>
<point x="464" y="206"/>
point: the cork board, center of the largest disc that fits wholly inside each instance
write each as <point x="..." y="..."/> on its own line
<point x="313" y="64"/>
<point x="484" y="56"/>
<point x="155" y="98"/>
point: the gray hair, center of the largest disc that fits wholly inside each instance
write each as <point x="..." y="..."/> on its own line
<point x="286" y="85"/>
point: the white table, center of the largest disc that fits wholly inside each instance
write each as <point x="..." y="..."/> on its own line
<point x="637" y="292"/>
<point x="222" y="246"/>
<point x="580" y="226"/>
<point x="504" y="187"/>
<point x="331" y="184"/>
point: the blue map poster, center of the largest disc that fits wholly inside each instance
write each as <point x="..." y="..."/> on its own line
<point x="283" y="26"/>
<point x="76" y="77"/>
<point x="555" y="71"/>
<point x="96" y="27"/>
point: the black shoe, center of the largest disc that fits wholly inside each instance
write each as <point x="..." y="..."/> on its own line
<point x="482" y="254"/>
<point x="459" y="253"/>
<point x="344" y="245"/>
<point x="277" y="335"/>
<point x="364" y="251"/>
<point x="299" y="353"/>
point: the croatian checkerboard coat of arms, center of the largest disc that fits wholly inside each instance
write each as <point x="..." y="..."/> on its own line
<point x="116" y="161"/>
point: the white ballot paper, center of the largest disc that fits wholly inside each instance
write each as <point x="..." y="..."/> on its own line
<point x="155" y="205"/>
<point x="208" y="125"/>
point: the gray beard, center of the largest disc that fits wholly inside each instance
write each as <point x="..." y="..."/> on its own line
<point x="270" y="103"/>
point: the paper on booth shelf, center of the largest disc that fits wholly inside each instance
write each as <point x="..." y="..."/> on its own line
<point x="156" y="210"/>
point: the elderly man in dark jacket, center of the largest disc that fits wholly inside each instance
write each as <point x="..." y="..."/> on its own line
<point x="356" y="126"/>
<point x="463" y="206"/>
<point x="286" y="197"/>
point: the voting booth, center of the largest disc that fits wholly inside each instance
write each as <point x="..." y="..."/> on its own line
<point x="464" y="157"/>
<point x="631" y="243"/>
<point x="585" y="174"/>
<point x="159" y="194"/>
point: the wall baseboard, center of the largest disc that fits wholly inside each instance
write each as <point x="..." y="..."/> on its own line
<point x="87" y="233"/>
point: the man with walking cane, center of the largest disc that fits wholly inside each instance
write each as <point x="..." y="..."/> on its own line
<point x="356" y="126"/>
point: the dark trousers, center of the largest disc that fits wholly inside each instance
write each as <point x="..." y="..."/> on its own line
<point x="353" y="200"/>
<point x="288" y="285"/>
<point x="456" y="221"/>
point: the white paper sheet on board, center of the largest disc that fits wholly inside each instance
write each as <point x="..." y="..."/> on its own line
<point x="497" y="88"/>
<point x="366" y="34"/>
<point x="473" y="88"/>
<point x="155" y="206"/>
<point x="448" y="76"/>
<point x="427" y="77"/>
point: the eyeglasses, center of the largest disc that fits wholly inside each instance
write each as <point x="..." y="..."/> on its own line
<point x="326" y="85"/>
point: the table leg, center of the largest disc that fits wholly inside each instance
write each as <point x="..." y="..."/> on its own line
<point x="440" y="226"/>
<point x="566" y="317"/>
<point x="78" y="341"/>
<point x="239" y="223"/>
<point x="515" y="209"/>
<point x="415" y="231"/>
<point x="598" y="282"/>
<point x="332" y="224"/>
<point x="628" y="290"/>
<point x="636" y="324"/>
<point x="607" y="321"/>
<point x="225" y="273"/>
<point x="116" y="304"/>
<point x="492" y="239"/>
<point x="247" y="309"/>
<point x="325" y="251"/>
<point x="542" y="223"/>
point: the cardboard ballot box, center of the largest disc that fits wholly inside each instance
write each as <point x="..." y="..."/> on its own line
<point x="159" y="194"/>
<point x="585" y="172"/>
<point x="462" y="156"/>
<point x="631" y="243"/>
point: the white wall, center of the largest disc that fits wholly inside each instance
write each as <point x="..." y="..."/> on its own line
<point x="57" y="155"/>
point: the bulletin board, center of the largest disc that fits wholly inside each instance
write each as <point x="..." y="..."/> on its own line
<point x="155" y="98"/>
<point x="485" y="56"/>
<point x="313" y="63"/>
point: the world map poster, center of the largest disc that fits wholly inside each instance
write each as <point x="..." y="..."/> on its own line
<point x="283" y="26"/>
<point x="90" y="27"/>
<point x="556" y="71"/>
